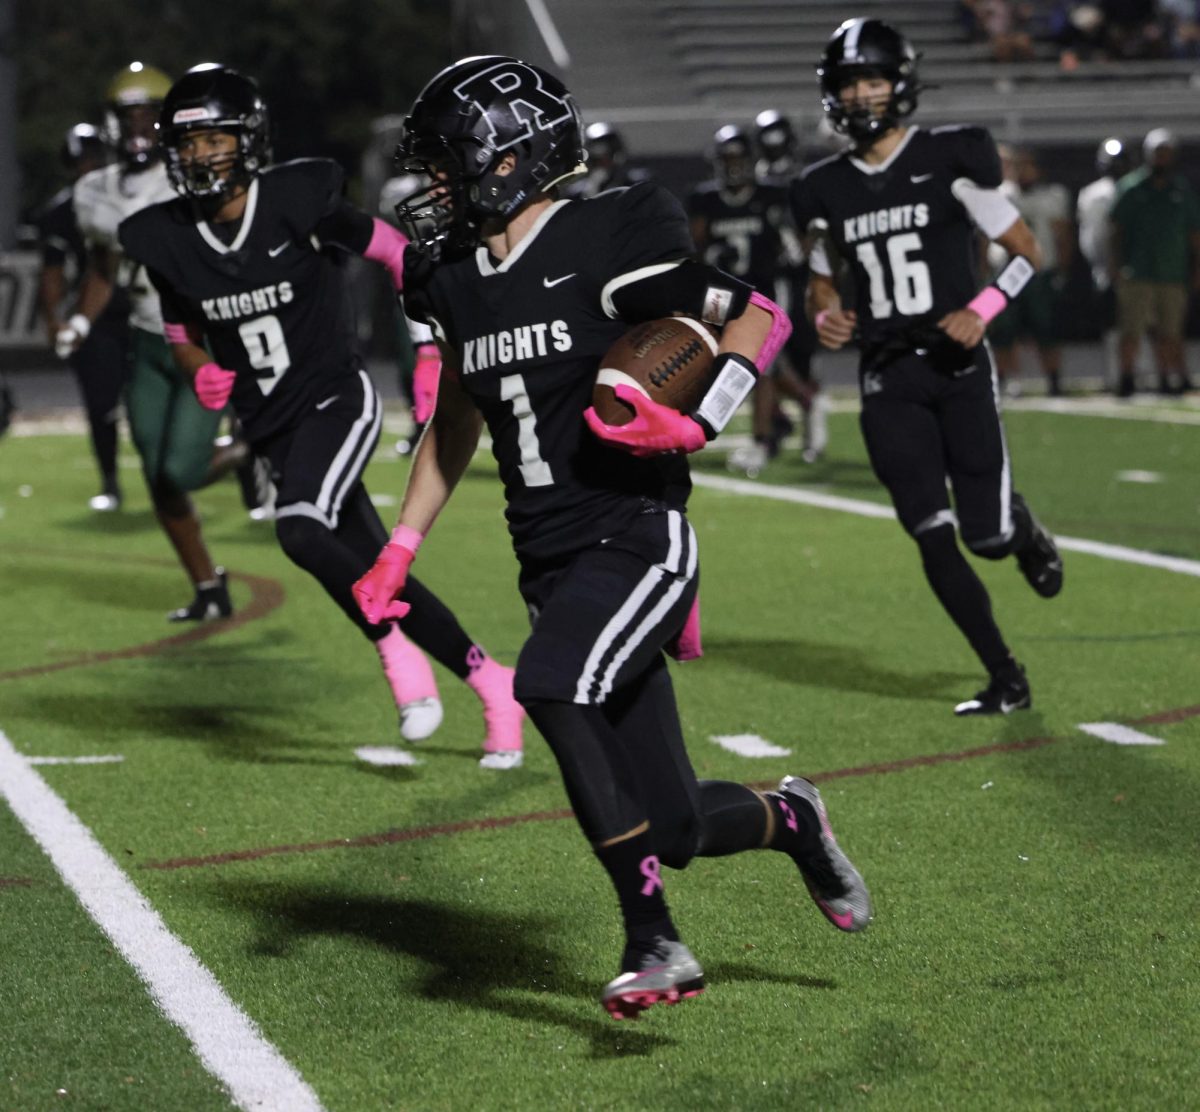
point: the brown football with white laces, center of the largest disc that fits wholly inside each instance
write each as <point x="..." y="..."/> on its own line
<point x="668" y="360"/>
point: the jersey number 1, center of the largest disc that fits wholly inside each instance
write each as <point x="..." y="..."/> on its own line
<point x="534" y="470"/>
<point x="913" y="290"/>
<point x="265" y="345"/>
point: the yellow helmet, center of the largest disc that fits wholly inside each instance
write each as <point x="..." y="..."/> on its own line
<point x="136" y="86"/>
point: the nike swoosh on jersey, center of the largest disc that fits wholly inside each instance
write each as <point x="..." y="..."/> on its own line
<point x="551" y="283"/>
<point x="275" y="251"/>
<point x="916" y="179"/>
<point x="327" y="402"/>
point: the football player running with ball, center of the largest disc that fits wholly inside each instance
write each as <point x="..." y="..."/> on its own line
<point x="526" y="291"/>
<point x="902" y="208"/>
<point x="244" y="261"/>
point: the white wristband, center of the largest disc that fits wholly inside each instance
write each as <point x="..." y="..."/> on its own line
<point x="80" y="325"/>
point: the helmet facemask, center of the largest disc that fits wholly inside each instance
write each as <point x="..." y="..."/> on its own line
<point x="217" y="177"/>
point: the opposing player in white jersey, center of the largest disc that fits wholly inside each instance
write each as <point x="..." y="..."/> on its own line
<point x="172" y="431"/>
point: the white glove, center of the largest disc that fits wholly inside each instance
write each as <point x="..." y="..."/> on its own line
<point x="71" y="335"/>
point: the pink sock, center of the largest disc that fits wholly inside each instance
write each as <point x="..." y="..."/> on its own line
<point x="502" y="714"/>
<point x="408" y="672"/>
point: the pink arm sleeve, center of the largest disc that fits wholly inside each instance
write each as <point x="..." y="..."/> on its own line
<point x="387" y="246"/>
<point x="781" y="329"/>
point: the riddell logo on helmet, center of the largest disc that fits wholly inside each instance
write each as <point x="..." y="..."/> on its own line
<point x="190" y="115"/>
<point x="529" y="102"/>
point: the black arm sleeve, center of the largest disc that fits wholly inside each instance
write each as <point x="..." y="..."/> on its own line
<point x="689" y="288"/>
<point x="346" y="227"/>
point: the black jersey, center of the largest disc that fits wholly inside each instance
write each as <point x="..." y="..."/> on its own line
<point x="901" y="227"/>
<point x="530" y="333"/>
<point x="743" y="230"/>
<point x="272" y="302"/>
<point x="62" y="244"/>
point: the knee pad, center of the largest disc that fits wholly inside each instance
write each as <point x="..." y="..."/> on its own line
<point x="937" y="544"/>
<point x="298" y="535"/>
<point x="677" y="850"/>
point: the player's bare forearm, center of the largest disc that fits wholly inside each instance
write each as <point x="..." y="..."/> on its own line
<point x="834" y="325"/>
<point x="1019" y="240"/>
<point x="747" y="333"/>
<point x="96" y="289"/>
<point x="442" y="456"/>
<point x="190" y="357"/>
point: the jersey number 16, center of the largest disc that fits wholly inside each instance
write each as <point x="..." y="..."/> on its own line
<point x="912" y="291"/>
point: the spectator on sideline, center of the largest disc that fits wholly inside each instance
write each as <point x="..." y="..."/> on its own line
<point x="1155" y="255"/>
<point x="1046" y="208"/>
<point x="1092" y="211"/>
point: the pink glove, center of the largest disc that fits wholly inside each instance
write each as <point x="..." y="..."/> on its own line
<point x="376" y="591"/>
<point x="656" y="429"/>
<point x="425" y="382"/>
<point x="213" y="385"/>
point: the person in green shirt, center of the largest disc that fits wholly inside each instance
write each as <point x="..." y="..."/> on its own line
<point x="1155" y="262"/>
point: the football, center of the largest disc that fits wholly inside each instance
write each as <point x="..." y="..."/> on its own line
<point x="668" y="360"/>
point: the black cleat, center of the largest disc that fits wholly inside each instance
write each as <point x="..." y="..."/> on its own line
<point x="835" y="885"/>
<point x="209" y="604"/>
<point x="1008" y="691"/>
<point x="1040" y="562"/>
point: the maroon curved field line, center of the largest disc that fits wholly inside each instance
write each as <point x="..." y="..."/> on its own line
<point x="265" y="596"/>
<point x="420" y="833"/>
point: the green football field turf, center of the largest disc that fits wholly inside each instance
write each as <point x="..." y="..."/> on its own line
<point x="435" y="936"/>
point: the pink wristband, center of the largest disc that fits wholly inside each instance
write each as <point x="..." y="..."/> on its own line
<point x="819" y="319"/>
<point x="408" y="538"/>
<point x="988" y="304"/>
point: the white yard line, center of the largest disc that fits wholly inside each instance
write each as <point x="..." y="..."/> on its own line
<point x="1117" y="734"/>
<point x="113" y="758"/>
<point x="1120" y="553"/>
<point x="1107" y="407"/>
<point x="750" y="745"/>
<point x="257" y="1077"/>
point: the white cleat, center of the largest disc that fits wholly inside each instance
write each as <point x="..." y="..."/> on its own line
<point x="749" y="459"/>
<point x="815" y="429"/>
<point x="502" y="760"/>
<point x="420" y="718"/>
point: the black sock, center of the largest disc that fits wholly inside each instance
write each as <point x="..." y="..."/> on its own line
<point x="634" y="870"/>
<point x="732" y="819"/>
<point x="963" y="595"/>
<point x="433" y="628"/>
<point x="794" y="829"/>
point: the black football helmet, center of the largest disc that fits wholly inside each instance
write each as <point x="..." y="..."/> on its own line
<point x="863" y="48"/>
<point x="212" y="97"/>
<point x="605" y="146"/>
<point x="83" y="143"/>
<point x="775" y="134"/>
<point x="733" y="157"/>
<point x="461" y="127"/>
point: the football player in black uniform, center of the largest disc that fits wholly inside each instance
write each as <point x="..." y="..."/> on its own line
<point x="607" y="163"/>
<point x="99" y="361"/>
<point x="243" y="261"/>
<point x="742" y="225"/>
<point x="902" y="207"/>
<point x="778" y="164"/>
<point x="526" y="292"/>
